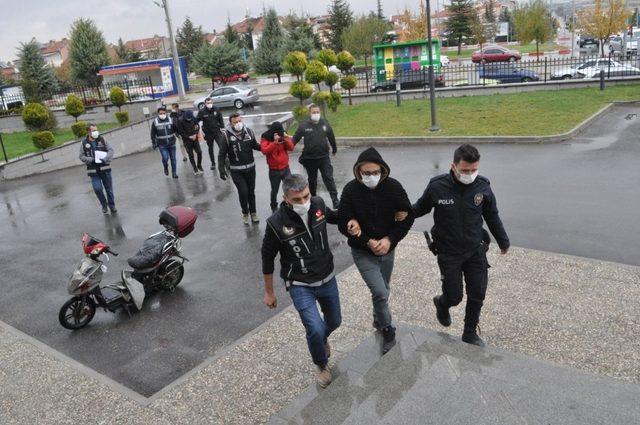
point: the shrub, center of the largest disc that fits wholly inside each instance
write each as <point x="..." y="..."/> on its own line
<point x="73" y="106"/>
<point x="316" y="72"/>
<point x="322" y="99"/>
<point x="43" y="139"/>
<point x="301" y="90"/>
<point x="35" y="116"/>
<point x="331" y="80"/>
<point x="349" y="83"/>
<point x="117" y="97"/>
<point x="295" y="63"/>
<point x="300" y="113"/>
<point x="122" y="117"/>
<point x="335" y="101"/>
<point x="327" y="57"/>
<point x="345" y="61"/>
<point x="79" y="129"/>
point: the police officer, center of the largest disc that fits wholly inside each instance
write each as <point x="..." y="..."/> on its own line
<point x="99" y="166"/>
<point x="238" y="144"/>
<point x="163" y="136"/>
<point x="298" y="231"/>
<point x="461" y="200"/>
<point x="317" y="135"/>
<point x="212" y="127"/>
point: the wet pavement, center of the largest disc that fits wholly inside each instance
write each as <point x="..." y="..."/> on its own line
<point x="576" y="198"/>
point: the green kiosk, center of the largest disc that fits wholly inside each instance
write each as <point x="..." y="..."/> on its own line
<point x="394" y="58"/>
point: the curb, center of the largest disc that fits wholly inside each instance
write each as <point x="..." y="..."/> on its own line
<point x="439" y="140"/>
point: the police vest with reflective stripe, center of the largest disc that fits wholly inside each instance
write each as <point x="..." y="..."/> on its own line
<point x="164" y="132"/>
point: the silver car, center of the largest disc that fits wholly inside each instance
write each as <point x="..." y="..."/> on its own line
<point x="227" y="96"/>
<point x="575" y="71"/>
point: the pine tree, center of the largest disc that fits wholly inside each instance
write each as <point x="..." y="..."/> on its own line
<point x="270" y="52"/>
<point x="222" y="60"/>
<point x="87" y="52"/>
<point x="380" y="12"/>
<point x="461" y="15"/>
<point x="127" y="55"/>
<point x="35" y="71"/>
<point x="489" y="12"/>
<point x="189" y="39"/>
<point x="247" y="37"/>
<point x="230" y="33"/>
<point x="340" y="18"/>
<point x="300" y="36"/>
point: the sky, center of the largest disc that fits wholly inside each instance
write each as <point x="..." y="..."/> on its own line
<point x="51" y="20"/>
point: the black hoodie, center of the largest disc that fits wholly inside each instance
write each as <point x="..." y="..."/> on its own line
<point x="375" y="208"/>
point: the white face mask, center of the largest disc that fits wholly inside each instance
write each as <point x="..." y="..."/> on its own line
<point x="315" y="117"/>
<point x="95" y="134"/>
<point x="238" y="126"/>
<point x="467" y="178"/>
<point x="302" y="209"/>
<point x="371" y="181"/>
<point x="162" y="116"/>
<point x="209" y="105"/>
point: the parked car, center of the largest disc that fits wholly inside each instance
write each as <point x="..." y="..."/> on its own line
<point x="572" y="72"/>
<point x="506" y="73"/>
<point x="610" y="72"/>
<point x="495" y="54"/>
<point x="587" y="40"/>
<point x="235" y="77"/>
<point x="236" y="96"/>
<point x="615" y="45"/>
<point x="409" y="80"/>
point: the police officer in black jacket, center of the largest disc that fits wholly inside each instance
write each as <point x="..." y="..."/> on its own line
<point x="318" y="136"/>
<point x="238" y="144"/>
<point x="298" y="231"/>
<point x="99" y="168"/>
<point x="212" y="127"/>
<point x="461" y="200"/>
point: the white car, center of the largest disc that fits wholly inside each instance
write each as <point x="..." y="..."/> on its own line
<point x="610" y="72"/>
<point x="573" y="72"/>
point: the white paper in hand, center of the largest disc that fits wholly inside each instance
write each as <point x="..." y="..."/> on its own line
<point x="100" y="156"/>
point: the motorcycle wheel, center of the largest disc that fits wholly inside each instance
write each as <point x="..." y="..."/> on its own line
<point x="77" y="312"/>
<point x="172" y="276"/>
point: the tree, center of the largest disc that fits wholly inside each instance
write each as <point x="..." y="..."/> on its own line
<point x="271" y="47"/>
<point x="340" y="17"/>
<point x="295" y="63"/>
<point x="87" y="51"/>
<point x="301" y="90"/>
<point x="300" y="35"/>
<point x="605" y="18"/>
<point x="222" y="60"/>
<point x="73" y="106"/>
<point x="331" y="80"/>
<point x="379" y="11"/>
<point x="117" y="97"/>
<point x="327" y="57"/>
<point x="416" y="26"/>
<point x="345" y="61"/>
<point x="127" y="55"/>
<point x="479" y="31"/>
<point x="247" y="37"/>
<point x="37" y="76"/>
<point x="532" y="22"/>
<point x="189" y="39"/>
<point x="489" y="12"/>
<point x="458" y="25"/>
<point x="349" y="83"/>
<point x="230" y="33"/>
<point x="363" y="34"/>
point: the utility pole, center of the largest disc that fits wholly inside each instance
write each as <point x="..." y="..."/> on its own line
<point x="174" y="50"/>
<point x="432" y="89"/>
<point x="573" y="26"/>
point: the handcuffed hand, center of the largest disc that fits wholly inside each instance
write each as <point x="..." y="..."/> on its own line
<point x="353" y="227"/>
<point x="401" y="215"/>
<point x="380" y="247"/>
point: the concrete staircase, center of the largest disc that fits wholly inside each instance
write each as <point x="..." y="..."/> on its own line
<point x="434" y="378"/>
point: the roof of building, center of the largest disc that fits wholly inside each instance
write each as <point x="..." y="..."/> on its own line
<point x="144" y="44"/>
<point x="54" y="46"/>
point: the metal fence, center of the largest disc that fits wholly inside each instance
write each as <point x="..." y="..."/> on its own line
<point x="139" y="89"/>
<point x="477" y="74"/>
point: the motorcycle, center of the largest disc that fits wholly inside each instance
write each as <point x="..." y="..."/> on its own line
<point x="158" y="265"/>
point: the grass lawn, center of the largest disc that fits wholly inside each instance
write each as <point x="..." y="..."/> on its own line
<point x="19" y="143"/>
<point x="522" y="114"/>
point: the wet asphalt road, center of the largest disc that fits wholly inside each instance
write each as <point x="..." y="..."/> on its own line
<point x="578" y="198"/>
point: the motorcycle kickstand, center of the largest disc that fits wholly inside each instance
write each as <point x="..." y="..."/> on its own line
<point x="126" y="308"/>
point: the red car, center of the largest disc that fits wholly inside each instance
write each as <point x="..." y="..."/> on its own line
<point x="495" y="54"/>
<point x="233" y="78"/>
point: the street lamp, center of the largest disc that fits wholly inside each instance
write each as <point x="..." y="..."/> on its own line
<point x="176" y="62"/>
<point x="432" y="89"/>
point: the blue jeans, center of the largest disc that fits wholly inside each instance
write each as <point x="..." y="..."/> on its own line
<point x="169" y="152"/>
<point x="376" y="273"/>
<point x="100" y="179"/>
<point x="318" y="328"/>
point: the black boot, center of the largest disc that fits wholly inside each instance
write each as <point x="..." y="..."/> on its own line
<point x="471" y="320"/>
<point x="388" y="339"/>
<point x="442" y="313"/>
